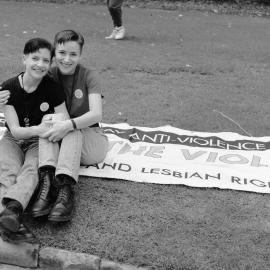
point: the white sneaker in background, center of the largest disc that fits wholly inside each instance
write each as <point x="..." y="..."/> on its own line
<point x="120" y="32"/>
<point x="112" y="35"/>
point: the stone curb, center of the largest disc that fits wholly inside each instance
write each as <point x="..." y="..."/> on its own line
<point x="31" y="256"/>
<point x="24" y="254"/>
<point x="13" y="267"/>
<point x="52" y="258"/>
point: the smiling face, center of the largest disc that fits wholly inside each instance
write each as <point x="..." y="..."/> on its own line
<point x="37" y="63"/>
<point x="67" y="56"/>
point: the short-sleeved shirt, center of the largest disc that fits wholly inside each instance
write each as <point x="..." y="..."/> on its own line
<point x="31" y="107"/>
<point x="77" y="87"/>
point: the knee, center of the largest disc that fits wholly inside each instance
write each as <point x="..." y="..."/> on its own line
<point x="112" y="7"/>
<point x="95" y="156"/>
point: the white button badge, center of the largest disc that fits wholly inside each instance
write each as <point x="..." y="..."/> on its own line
<point x="78" y="93"/>
<point x="44" y="106"/>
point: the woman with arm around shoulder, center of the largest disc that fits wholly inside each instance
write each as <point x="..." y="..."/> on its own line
<point x="32" y="94"/>
<point x="82" y="140"/>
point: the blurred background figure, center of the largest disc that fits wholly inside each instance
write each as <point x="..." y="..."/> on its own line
<point x="115" y="9"/>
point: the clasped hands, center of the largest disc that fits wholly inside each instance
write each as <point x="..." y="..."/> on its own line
<point x="54" y="130"/>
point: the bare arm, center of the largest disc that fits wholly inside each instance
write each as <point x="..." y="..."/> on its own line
<point x="21" y="132"/>
<point x="4" y="96"/>
<point x="62" y="110"/>
<point x="94" y="115"/>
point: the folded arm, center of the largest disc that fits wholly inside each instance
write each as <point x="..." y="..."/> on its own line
<point x="21" y="132"/>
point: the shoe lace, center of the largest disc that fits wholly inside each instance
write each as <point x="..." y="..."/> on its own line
<point x="63" y="194"/>
<point x="44" y="185"/>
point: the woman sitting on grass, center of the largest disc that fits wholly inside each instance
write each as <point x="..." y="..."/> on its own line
<point x="32" y="94"/>
<point x="71" y="142"/>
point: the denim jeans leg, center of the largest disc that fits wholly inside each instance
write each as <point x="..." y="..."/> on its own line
<point x="27" y="178"/>
<point x="11" y="161"/>
<point x="70" y="155"/>
<point x="48" y="153"/>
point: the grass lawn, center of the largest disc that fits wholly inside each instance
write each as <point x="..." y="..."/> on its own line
<point x="183" y="68"/>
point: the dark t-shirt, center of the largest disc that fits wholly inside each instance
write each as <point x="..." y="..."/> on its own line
<point x="77" y="87"/>
<point x="31" y="107"/>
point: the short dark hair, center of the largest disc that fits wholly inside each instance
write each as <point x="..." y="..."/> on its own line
<point x="34" y="44"/>
<point x="68" y="35"/>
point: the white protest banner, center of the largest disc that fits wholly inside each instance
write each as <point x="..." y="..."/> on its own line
<point x="168" y="155"/>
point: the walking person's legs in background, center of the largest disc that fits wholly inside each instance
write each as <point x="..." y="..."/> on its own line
<point x="115" y="10"/>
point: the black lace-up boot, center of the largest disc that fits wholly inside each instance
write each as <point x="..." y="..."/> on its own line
<point x="23" y="235"/>
<point x="11" y="216"/>
<point x="62" y="209"/>
<point x="45" y="193"/>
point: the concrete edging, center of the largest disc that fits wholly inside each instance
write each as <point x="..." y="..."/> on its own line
<point x="24" y="254"/>
<point x="32" y="256"/>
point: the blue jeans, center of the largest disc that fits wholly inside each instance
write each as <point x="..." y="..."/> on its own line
<point x="18" y="169"/>
<point x="115" y="9"/>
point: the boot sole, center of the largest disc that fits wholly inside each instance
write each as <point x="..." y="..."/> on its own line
<point x="10" y="224"/>
<point x="6" y="238"/>
<point x="59" y="219"/>
<point x="40" y="213"/>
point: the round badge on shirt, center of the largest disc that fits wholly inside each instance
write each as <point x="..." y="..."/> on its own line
<point x="78" y="93"/>
<point x="44" y="106"/>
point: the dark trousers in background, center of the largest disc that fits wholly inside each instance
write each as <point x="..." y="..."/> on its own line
<point x="115" y="9"/>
